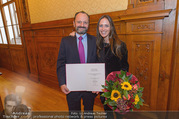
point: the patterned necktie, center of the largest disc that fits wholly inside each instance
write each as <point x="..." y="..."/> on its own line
<point x="81" y="50"/>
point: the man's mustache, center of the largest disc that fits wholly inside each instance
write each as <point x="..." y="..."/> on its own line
<point x="81" y="27"/>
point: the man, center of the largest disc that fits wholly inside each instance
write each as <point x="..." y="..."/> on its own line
<point x="10" y="102"/>
<point x="78" y="49"/>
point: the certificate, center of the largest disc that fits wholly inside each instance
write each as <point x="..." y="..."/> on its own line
<point x="85" y="77"/>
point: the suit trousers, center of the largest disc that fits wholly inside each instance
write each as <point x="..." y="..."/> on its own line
<point x="74" y="104"/>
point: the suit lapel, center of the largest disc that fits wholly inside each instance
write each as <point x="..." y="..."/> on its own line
<point x="75" y="49"/>
<point x="89" y="48"/>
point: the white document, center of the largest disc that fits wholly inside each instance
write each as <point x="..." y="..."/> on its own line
<point x="85" y="77"/>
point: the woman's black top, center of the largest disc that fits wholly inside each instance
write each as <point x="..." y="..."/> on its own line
<point x="112" y="62"/>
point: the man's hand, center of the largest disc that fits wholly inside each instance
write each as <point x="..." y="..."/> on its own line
<point x="65" y="89"/>
<point x="95" y="92"/>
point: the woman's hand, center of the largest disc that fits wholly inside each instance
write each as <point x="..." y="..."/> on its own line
<point x="72" y="33"/>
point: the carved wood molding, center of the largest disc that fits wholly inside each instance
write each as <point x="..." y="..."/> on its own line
<point x="58" y="26"/>
<point x="147" y="15"/>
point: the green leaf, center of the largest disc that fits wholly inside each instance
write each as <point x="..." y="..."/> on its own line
<point x="137" y="106"/>
<point x="123" y="72"/>
<point x="107" y="87"/>
<point x="115" y="85"/>
<point x="140" y="94"/>
<point x="102" y="95"/>
<point x="114" y="108"/>
<point x="112" y="103"/>
<point x="141" y="89"/>
<point x="130" y="77"/>
<point x="140" y="102"/>
<point x="126" y="94"/>
<point x="107" y="82"/>
<point x="131" y="110"/>
<point x="107" y="101"/>
<point x="141" y="99"/>
<point x="106" y="94"/>
<point x="126" y="79"/>
<point x="110" y="83"/>
<point x="103" y="86"/>
<point x="123" y="77"/>
<point x="120" y="76"/>
<point x="119" y="88"/>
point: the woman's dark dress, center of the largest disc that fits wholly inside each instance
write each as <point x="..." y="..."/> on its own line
<point x="113" y="63"/>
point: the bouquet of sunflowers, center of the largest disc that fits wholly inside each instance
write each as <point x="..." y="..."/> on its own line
<point x="122" y="92"/>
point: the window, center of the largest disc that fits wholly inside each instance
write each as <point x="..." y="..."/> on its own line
<point x="9" y="26"/>
<point x="3" y="39"/>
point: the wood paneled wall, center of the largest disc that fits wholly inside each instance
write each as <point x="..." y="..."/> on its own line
<point x="147" y="27"/>
<point x="14" y="58"/>
<point x="5" y="60"/>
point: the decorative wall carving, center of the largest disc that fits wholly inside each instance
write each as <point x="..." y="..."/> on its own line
<point x="25" y="11"/>
<point x="139" y="3"/>
<point x="146" y="0"/>
<point x="142" y="67"/>
<point x="143" y="27"/>
<point x="47" y="57"/>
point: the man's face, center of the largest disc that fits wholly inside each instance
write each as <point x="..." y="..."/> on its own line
<point x="9" y="106"/>
<point x="81" y="23"/>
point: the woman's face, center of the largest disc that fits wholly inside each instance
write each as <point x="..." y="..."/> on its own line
<point x="104" y="28"/>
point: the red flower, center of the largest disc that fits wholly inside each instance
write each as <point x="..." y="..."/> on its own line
<point x="132" y="100"/>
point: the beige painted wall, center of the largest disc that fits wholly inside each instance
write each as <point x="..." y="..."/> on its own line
<point x="49" y="10"/>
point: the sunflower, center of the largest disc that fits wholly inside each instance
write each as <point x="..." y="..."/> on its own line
<point x="136" y="99"/>
<point x="115" y="95"/>
<point x="126" y="86"/>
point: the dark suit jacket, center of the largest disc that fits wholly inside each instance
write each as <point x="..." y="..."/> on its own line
<point x="2" y="115"/>
<point x="112" y="62"/>
<point x="68" y="54"/>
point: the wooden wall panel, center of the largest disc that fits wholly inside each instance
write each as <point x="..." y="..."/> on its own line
<point x="5" y="60"/>
<point x="14" y="58"/>
<point x="31" y="54"/>
<point x="144" y="58"/>
<point x="47" y="51"/>
<point x="166" y="55"/>
<point x="47" y="43"/>
<point x="19" y="61"/>
<point x="174" y="90"/>
<point x="144" y="34"/>
<point x="49" y="32"/>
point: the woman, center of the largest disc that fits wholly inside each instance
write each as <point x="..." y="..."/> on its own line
<point x="111" y="51"/>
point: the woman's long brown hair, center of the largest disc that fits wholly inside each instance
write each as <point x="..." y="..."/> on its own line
<point x="114" y="40"/>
